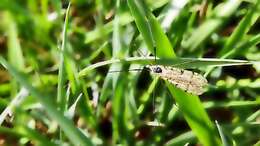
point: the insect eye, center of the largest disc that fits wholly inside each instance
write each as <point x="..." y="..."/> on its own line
<point x="157" y="70"/>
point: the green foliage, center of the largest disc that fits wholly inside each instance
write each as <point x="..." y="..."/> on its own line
<point x="73" y="73"/>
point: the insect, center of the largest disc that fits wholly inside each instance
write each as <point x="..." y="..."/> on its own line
<point x="186" y="80"/>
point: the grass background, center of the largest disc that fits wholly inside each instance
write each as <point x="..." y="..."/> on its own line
<point x="65" y="79"/>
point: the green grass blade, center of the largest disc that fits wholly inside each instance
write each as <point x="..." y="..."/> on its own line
<point x="244" y="46"/>
<point x="125" y="18"/>
<point x="117" y="52"/>
<point x="34" y="135"/>
<point x="16" y="101"/>
<point x="253" y="41"/>
<point x="171" y="12"/>
<point x="175" y="62"/>
<point x="61" y="100"/>
<point x="231" y="104"/>
<point x="118" y="110"/>
<point x="182" y="139"/>
<point x="15" y="55"/>
<point x="222" y="136"/>
<point x="176" y="21"/>
<point x="243" y="27"/>
<point x="196" y="116"/>
<point x="163" y="46"/>
<point x="120" y="106"/>
<point x="117" y="83"/>
<point x="145" y="97"/>
<point x="71" y="72"/>
<point x="221" y="14"/>
<point x="151" y="30"/>
<point x="141" y="19"/>
<point x="85" y="109"/>
<point x="73" y="134"/>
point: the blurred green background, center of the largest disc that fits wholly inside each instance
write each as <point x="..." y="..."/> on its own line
<point x="56" y="89"/>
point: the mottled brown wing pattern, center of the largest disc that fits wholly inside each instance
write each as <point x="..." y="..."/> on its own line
<point x="186" y="80"/>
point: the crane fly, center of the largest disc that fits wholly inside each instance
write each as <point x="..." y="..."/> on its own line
<point x="186" y="80"/>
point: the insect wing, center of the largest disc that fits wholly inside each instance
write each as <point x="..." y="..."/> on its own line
<point x="188" y="81"/>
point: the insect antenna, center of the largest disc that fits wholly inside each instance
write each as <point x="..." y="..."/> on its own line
<point x="118" y="71"/>
<point x="183" y="63"/>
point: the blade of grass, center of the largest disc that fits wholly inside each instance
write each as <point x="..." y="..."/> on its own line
<point x="15" y="55"/>
<point x="70" y="112"/>
<point x="151" y="30"/>
<point x="172" y="11"/>
<point x="221" y="133"/>
<point x="117" y="52"/>
<point x="253" y="116"/>
<point x="71" y="72"/>
<point x="85" y="108"/>
<point x="73" y="134"/>
<point x="61" y="100"/>
<point x="68" y="67"/>
<point x="231" y="104"/>
<point x="175" y="62"/>
<point x="99" y="50"/>
<point x="34" y="135"/>
<point x="181" y="139"/>
<point x="125" y="18"/>
<point x="253" y="41"/>
<point x="240" y="31"/>
<point x="15" y="102"/>
<point x="120" y="130"/>
<point x="243" y="27"/>
<point x="118" y="101"/>
<point x="145" y="97"/>
<point x="189" y="136"/>
<point x="219" y="17"/>
<point x="179" y="25"/>
<point x="196" y="116"/>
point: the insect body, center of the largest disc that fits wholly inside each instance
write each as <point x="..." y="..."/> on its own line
<point x="189" y="81"/>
